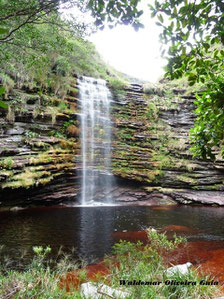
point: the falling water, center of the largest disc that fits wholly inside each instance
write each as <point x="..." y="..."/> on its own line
<point x="95" y="138"/>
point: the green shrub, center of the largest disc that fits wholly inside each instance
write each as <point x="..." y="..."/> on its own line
<point x="117" y="85"/>
<point x="152" y="111"/>
<point x="145" y="263"/>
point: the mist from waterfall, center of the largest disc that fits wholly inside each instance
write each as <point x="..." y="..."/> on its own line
<point x="95" y="137"/>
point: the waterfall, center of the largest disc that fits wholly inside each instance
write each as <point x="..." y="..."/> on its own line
<point x="95" y="137"/>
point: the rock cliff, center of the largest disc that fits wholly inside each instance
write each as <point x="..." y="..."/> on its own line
<point x="40" y="149"/>
<point x="151" y="146"/>
<point x="38" y="145"/>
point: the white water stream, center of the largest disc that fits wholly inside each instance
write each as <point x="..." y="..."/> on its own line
<point x="95" y="136"/>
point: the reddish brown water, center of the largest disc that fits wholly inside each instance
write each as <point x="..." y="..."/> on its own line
<point x="93" y="230"/>
<point x="206" y="256"/>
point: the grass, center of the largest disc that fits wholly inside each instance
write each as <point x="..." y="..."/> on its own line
<point x="166" y="86"/>
<point x="130" y="261"/>
<point x="38" y="280"/>
<point x="7" y="83"/>
<point x="28" y="178"/>
<point x="7" y="163"/>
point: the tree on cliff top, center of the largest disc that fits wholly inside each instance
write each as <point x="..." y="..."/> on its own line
<point x="15" y="14"/>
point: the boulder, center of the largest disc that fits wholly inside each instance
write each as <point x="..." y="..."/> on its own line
<point x="90" y="290"/>
<point x="179" y="269"/>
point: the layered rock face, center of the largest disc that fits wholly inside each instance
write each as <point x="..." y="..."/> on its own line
<point x="151" y="146"/>
<point x="40" y="149"/>
<point x="38" y="145"/>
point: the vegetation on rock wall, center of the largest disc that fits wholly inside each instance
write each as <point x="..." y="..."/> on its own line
<point x="152" y="146"/>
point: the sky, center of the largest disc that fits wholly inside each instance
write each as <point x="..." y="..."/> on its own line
<point x="134" y="53"/>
